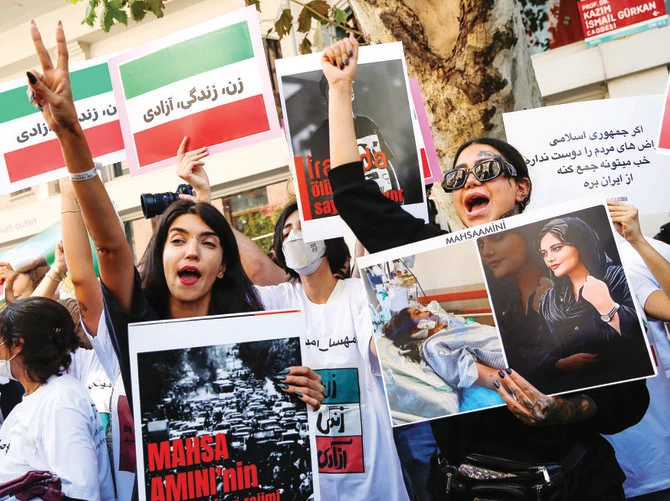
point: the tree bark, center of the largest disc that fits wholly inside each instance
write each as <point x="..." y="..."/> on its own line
<point x="470" y="57"/>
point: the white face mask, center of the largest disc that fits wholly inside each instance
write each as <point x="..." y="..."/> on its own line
<point x="5" y="367"/>
<point x="302" y="257"/>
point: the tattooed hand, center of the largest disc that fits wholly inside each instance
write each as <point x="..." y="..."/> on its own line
<point x="535" y="408"/>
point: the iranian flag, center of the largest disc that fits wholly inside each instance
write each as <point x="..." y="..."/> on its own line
<point x="29" y="151"/>
<point x="209" y="82"/>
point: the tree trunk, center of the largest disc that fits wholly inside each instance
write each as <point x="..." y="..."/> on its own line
<point x="470" y="57"/>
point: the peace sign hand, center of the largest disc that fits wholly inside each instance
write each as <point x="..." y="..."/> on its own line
<point x="51" y="91"/>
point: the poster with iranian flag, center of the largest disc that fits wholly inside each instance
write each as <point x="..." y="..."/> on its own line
<point x="29" y="150"/>
<point x="209" y="82"/>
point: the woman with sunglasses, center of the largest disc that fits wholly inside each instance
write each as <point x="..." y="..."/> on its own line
<point x="540" y="429"/>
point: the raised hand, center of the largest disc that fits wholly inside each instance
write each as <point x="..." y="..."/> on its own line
<point x="59" y="257"/>
<point x="50" y="90"/>
<point x="535" y="408"/>
<point x="7" y="274"/>
<point x="340" y="61"/>
<point x="304" y="383"/>
<point x="190" y="168"/>
<point x="626" y="220"/>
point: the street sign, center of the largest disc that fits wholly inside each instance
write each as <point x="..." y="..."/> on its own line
<point x="607" y="20"/>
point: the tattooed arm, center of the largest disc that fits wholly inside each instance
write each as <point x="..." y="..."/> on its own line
<point x="80" y="259"/>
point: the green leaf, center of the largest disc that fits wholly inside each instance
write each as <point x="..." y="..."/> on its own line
<point x="319" y="44"/>
<point x="91" y="15"/>
<point x="256" y="3"/>
<point x="156" y="6"/>
<point x="138" y="9"/>
<point x="112" y="11"/>
<point x="304" y="20"/>
<point x="339" y="15"/>
<point x="305" y="46"/>
<point x="320" y="6"/>
<point x="284" y="23"/>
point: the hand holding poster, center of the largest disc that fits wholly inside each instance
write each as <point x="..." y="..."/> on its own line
<point x="388" y="134"/>
<point x="30" y="153"/>
<point x="209" y="82"/>
<point x="212" y="421"/>
<point x="605" y="148"/>
<point x="449" y="316"/>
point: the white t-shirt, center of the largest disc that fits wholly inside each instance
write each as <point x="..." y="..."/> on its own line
<point x="88" y="370"/>
<point x="57" y="429"/>
<point x="123" y="433"/>
<point x="642" y="450"/>
<point x="356" y="452"/>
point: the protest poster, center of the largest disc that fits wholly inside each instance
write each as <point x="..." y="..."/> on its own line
<point x="209" y="82"/>
<point x="603" y="148"/>
<point x="387" y="131"/>
<point x="607" y="20"/>
<point x="432" y="172"/>
<point x="212" y="421"/>
<point x="450" y="312"/>
<point x="30" y="153"/>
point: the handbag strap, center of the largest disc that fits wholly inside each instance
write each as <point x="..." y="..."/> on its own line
<point x="574" y="456"/>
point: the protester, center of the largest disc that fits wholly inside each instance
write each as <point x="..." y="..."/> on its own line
<point x="89" y="298"/>
<point x="85" y="365"/>
<point x="642" y="450"/>
<point x="540" y="429"/>
<point x="338" y="343"/>
<point x="192" y="265"/>
<point x="23" y="281"/>
<point x="55" y="428"/>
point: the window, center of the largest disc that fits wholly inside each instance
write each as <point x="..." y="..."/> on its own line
<point x="255" y="212"/>
<point x="20" y="193"/>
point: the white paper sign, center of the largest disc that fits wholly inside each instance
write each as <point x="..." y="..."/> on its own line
<point x="603" y="148"/>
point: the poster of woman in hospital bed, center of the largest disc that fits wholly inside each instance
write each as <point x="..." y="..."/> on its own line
<point x="450" y="312"/>
<point x="436" y="338"/>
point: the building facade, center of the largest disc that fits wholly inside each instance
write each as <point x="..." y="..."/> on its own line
<point x="250" y="184"/>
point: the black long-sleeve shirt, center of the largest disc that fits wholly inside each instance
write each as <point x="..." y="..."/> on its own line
<point x="379" y="224"/>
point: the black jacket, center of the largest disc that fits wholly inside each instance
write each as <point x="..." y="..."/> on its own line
<point x="379" y="224"/>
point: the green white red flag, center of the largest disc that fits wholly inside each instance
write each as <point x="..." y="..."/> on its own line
<point x="29" y="151"/>
<point x="209" y="82"/>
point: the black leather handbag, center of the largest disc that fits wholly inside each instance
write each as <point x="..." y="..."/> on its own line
<point x="489" y="478"/>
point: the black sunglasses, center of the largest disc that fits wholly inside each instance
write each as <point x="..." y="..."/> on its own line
<point x="483" y="170"/>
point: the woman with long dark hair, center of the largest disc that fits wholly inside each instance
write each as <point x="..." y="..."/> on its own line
<point x="489" y="180"/>
<point x="192" y="266"/>
<point x="55" y="428"/>
<point x="589" y="310"/>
